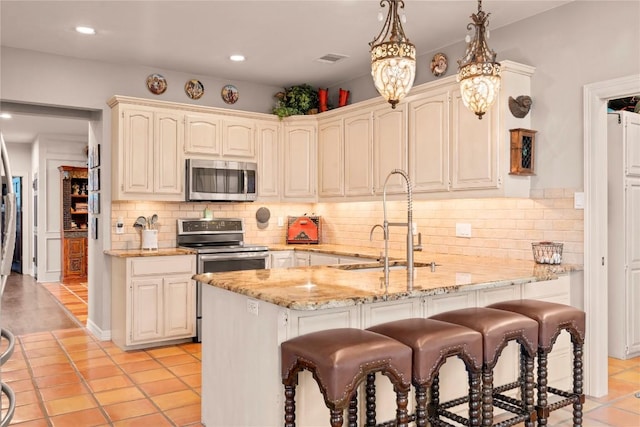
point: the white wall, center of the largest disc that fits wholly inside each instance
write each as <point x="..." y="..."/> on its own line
<point x="570" y="46"/>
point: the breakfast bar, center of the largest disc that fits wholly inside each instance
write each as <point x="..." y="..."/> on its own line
<point x="248" y="314"/>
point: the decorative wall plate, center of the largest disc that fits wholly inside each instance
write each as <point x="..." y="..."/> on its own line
<point x="230" y="94"/>
<point x="194" y="89"/>
<point x="439" y="64"/>
<point x="156" y="83"/>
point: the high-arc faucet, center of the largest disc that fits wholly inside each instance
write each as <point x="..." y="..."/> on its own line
<point x="386" y="224"/>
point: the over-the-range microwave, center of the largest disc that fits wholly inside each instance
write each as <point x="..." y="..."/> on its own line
<point x="220" y="181"/>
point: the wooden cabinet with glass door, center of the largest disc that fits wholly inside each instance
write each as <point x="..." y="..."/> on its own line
<point x="75" y="213"/>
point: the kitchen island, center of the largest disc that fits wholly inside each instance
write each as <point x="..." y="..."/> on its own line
<point x="247" y="314"/>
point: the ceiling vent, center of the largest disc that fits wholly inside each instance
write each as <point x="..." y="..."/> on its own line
<point x="331" y="58"/>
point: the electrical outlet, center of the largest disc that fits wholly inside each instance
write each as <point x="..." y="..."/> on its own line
<point x="120" y="226"/>
<point x="280" y="221"/>
<point x="252" y="306"/>
<point x="414" y="228"/>
<point x="578" y="200"/>
<point x="463" y="230"/>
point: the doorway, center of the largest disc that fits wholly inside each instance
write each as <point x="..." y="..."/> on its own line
<point x="596" y="97"/>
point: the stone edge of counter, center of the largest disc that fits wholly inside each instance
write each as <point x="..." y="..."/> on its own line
<point x="132" y="253"/>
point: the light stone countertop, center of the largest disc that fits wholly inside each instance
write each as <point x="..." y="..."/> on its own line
<point x="322" y="287"/>
<point x="132" y="253"/>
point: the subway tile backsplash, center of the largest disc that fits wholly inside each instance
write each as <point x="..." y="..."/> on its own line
<point x="501" y="227"/>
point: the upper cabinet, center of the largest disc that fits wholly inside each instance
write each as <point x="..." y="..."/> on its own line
<point x="202" y="134"/>
<point x="330" y="159"/>
<point x="358" y="153"/>
<point x="299" y="159"/>
<point x="429" y="118"/>
<point x="268" y="146"/>
<point x="389" y="147"/>
<point x="147" y="146"/>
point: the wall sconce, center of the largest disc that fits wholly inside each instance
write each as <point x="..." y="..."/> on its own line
<point x="393" y="57"/>
<point x="478" y="71"/>
<point x="522" y="151"/>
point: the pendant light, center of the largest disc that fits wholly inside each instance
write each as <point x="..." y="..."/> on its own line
<point x="478" y="71"/>
<point x="393" y="57"/>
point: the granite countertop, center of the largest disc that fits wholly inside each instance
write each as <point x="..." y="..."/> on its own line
<point x="321" y="287"/>
<point x="130" y="253"/>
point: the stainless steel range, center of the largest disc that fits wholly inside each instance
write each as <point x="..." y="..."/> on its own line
<point x="219" y="244"/>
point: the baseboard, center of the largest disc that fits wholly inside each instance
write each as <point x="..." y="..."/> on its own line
<point x="97" y="332"/>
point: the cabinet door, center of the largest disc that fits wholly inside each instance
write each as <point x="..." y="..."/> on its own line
<point x="281" y="259"/>
<point x="632" y="144"/>
<point x="632" y="263"/>
<point x="330" y="159"/>
<point x="146" y="310"/>
<point x="238" y="139"/>
<point x="358" y="135"/>
<point x="323" y="259"/>
<point x="389" y="148"/>
<point x="74" y="259"/>
<point x="168" y="159"/>
<point x="474" y="148"/>
<point x="202" y="134"/>
<point x="137" y="151"/>
<point x="301" y="259"/>
<point x="299" y="161"/>
<point x="429" y="143"/>
<point x="268" y="142"/>
<point x="179" y="307"/>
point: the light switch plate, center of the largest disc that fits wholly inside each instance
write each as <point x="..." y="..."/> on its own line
<point x="463" y="230"/>
<point x="578" y="200"/>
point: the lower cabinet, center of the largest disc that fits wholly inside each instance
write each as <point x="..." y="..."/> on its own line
<point x="74" y="261"/>
<point x="153" y="300"/>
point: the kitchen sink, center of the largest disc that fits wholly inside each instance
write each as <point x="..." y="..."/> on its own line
<point x="371" y="266"/>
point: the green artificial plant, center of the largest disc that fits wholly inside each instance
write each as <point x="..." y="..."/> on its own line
<point x="296" y="100"/>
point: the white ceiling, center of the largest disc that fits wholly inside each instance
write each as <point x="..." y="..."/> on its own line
<point x="282" y="40"/>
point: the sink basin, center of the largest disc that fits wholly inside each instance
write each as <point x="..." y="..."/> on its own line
<point x="371" y="266"/>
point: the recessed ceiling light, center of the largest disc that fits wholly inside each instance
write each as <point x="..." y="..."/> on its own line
<point x="5" y="116"/>
<point x="85" y="30"/>
<point x="237" y="58"/>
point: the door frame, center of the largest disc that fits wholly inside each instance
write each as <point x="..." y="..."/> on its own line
<point x="595" y="97"/>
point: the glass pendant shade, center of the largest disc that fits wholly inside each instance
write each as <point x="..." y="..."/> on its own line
<point x="478" y="71"/>
<point x="393" y="57"/>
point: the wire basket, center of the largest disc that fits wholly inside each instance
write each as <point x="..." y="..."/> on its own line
<point x="547" y="252"/>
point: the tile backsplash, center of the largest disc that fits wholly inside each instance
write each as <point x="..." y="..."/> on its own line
<point x="501" y="227"/>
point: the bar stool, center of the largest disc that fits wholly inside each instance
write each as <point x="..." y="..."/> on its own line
<point x="340" y="359"/>
<point x="498" y="328"/>
<point x="552" y="319"/>
<point x="432" y="342"/>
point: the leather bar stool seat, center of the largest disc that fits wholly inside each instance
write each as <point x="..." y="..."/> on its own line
<point x="340" y="360"/>
<point x="552" y="319"/>
<point x="432" y="342"/>
<point x="498" y="328"/>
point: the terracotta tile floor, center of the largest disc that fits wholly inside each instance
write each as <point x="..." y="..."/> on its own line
<point x="68" y="378"/>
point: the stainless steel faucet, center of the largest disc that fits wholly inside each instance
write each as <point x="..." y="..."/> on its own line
<point x="386" y="224"/>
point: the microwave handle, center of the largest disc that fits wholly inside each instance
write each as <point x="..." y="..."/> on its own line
<point x="246" y="181"/>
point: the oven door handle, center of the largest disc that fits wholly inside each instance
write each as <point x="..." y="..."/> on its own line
<point x="234" y="256"/>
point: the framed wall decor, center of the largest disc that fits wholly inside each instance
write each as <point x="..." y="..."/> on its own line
<point x="94" y="179"/>
<point x="93" y="228"/>
<point x="94" y="203"/>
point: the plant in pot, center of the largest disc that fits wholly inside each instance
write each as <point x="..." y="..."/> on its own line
<point x="296" y="100"/>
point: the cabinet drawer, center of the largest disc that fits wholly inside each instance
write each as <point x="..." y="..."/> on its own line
<point x="160" y="265"/>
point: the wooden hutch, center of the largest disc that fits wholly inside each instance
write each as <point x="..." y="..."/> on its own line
<point x="75" y="214"/>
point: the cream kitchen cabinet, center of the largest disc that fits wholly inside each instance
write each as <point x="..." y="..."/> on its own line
<point x="299" y="159"/>
<point x="330" y="159"/>
<point x="218" y="136"/>
<point x="429" y="136"/>
<point x="358" y="154"/>
<point x="147" y="147"/>
<point x="152" y="300"/>
<point x="202" y="134"/>
<point x="281" y="259"/>
<point x="268" y="147"/>
<point x="389" y="147"/>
